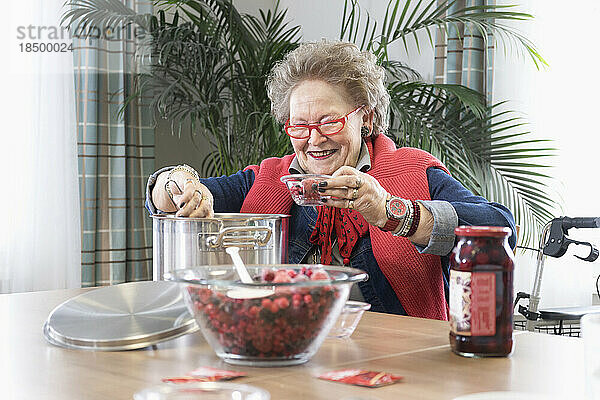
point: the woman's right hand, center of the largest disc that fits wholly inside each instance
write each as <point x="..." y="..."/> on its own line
<point x="190" y="197"/>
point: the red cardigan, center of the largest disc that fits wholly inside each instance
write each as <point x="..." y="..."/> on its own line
<point x="416" y="278"/>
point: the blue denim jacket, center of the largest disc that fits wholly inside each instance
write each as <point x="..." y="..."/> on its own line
<point x="451" y="205"/>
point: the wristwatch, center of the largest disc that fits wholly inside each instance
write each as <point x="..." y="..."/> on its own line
<point x="396" y="209"/>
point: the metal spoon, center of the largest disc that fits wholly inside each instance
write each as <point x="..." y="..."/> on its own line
<point x="244" y="293"/>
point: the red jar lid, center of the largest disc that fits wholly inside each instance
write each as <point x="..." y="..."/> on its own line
<point x="492" y="231"/>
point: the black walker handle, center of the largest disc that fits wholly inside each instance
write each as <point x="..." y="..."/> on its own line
<point x="557" y="241"/>
<point x="580" y="222"/>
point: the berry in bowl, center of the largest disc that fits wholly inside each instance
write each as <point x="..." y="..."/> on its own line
<point x="282" y="323"/>
<point x="304" y="188"/>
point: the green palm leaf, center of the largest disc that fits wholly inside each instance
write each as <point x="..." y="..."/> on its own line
<point x="400" y="23"/>
<point x="490" y="155"/>
<point x="84" y="14"/>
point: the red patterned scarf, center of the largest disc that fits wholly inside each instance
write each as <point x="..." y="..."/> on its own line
<point x="347" y="225"/>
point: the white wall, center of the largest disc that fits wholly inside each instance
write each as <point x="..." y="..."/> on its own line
<point x="252" y="6"/>
<point x="322" y="19"/>
<point x="561" y="103"/>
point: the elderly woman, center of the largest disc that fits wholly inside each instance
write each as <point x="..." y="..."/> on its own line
<point x="392" y="212"/>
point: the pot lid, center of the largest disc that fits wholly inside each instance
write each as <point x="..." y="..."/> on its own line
<point x="122" y="317"/>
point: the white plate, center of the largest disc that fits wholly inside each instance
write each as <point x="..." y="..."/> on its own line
<point x="504" y="396"/>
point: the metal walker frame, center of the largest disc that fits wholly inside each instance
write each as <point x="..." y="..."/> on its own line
<point x="554" y="243"/>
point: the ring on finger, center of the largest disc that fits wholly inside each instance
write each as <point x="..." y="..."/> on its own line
<point x="355" y="194"/>
<point x="202" y="197"/>
<point x="350" y="204"/>
<point x="358" y="182"/>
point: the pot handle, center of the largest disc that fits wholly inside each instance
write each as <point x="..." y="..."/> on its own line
<point x="250" y="240"/>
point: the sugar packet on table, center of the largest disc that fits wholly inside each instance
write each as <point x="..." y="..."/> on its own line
<point x="206" y="374"/>
<point x="361" y="377"/>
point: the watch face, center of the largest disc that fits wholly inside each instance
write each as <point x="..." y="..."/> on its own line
<point x="397" y="208"/>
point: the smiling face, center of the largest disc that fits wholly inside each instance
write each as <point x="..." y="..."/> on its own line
<point x="313" y="102"/>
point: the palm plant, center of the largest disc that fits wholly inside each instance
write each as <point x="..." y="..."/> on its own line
<point x="483" y="148"/>
<point x="209" y="65"/>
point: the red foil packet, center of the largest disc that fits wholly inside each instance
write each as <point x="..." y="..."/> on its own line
<point x="361" y="377"/>
<point x="205" y="374"/>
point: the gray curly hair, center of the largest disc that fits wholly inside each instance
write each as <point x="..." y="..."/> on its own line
<point x="337" y="63"/>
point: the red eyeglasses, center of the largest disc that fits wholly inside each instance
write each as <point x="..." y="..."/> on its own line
<point x="302" y="131"/>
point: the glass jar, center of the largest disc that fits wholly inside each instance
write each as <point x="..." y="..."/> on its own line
<point x="481" y="292"/>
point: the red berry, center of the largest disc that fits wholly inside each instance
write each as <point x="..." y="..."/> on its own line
<point x="254" y="310"/>
<point x="282" y="277"/>
<point x="262" y="344"/>
<point x="266" y="303"/>
<point x="319" y="274"/>
<point x="268" y="276"/>
<point x="482" y="258"/>
<point x="466" y="251"/>
<point x="282" y="302"/>
<point x="308" y="299"/>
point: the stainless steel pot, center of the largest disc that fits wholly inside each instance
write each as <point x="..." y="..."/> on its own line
<point x="189" y="242"/>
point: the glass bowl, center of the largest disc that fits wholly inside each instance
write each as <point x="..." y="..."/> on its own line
<point x="277" y="324"/>
<point x="202" y="390"/>
<point x="348" y="319"/>
<point x="302" y="191"/>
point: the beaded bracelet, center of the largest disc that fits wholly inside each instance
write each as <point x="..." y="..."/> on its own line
<point x="182" y="167"/>
<point x="408" y="220"/>
<point x="416" y="219"/>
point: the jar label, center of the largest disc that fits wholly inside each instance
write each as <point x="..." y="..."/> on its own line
<point x="473" y="303"/>
<point x="483" y="305"/>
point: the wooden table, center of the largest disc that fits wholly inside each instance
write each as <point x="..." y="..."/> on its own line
<point x="414" y="348"/>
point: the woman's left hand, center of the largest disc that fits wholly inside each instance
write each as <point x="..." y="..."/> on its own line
<point x="356" y="190"/>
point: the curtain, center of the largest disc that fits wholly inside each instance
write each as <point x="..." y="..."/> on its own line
<point x="39" y="233"/>
<point x="463" y="57"/>
<point x="116" y="155"/>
